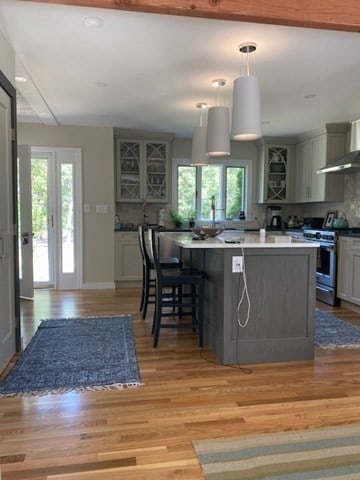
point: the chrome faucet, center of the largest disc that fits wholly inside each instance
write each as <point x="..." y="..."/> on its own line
<point x="213" y="210"/>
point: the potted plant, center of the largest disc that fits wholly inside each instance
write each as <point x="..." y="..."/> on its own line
<point x="177" y="219"/>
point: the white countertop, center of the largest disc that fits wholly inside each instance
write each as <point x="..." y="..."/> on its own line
<point x="237" y="240"/>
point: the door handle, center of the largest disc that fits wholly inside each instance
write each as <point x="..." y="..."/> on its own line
<point x="25" y="238"/>
<point x="51" y="220"/>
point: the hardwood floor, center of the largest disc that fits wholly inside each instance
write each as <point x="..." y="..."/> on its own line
<point x="146" y="432"/>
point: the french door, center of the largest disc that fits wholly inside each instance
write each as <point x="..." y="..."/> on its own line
<point x="56" y="234"/>
<point x="9" y="294"/>
<point x="26" y="277"/>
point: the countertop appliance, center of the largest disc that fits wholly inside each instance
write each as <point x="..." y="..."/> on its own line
<point x="274" y="217"/>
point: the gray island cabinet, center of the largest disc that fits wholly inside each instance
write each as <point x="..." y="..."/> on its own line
<point x="274" y="296"/>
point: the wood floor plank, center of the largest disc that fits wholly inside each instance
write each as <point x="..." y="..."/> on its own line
<point x="146" y="432"/>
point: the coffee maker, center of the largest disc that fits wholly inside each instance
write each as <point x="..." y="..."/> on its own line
<point x="274" y="217"/>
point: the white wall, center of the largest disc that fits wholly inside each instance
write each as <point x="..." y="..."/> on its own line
<point x="96" y="144"/>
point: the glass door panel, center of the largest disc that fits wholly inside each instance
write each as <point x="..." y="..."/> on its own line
<point x="42" y="222"/>
<point x="130" y="171"/>
<point x="67" y="218"/>
<point x="156" y="171"/>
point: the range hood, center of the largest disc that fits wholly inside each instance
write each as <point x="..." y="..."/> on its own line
<point x="349" y="163"/>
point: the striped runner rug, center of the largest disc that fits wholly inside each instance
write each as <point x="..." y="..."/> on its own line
<point x="322" y="453"/>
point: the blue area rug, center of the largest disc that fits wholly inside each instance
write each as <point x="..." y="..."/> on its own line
<point x="331" y="332"/>
<point x="94" y="353"/>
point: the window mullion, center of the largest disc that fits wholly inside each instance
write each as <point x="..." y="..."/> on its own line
<point x="222" y="192"/>
<point x="198" y="192"/>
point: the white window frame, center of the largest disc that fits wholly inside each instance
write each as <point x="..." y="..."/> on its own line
<point x="247" y="164"/>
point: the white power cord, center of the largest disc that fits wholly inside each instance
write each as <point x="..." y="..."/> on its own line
<point x="244" y="294"/>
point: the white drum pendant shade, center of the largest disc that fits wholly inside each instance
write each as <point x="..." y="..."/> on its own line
<point x="218" y="137"/>
<point x="198" y="155"/>
<point x="246" y="121"/>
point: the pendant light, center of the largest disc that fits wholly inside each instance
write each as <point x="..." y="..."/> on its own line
<point x="246" y="118"/>
<point x="218" y="134"/>
<point x="198" y="151"/>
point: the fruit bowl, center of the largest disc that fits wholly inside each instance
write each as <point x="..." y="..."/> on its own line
<point x="206" y="232"/>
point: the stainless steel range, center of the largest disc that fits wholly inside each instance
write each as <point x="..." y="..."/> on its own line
<point x="326" y="264"/>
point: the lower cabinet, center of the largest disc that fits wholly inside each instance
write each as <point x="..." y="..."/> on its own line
<point x="348" y="278"/>
<point x="128" y="262"/>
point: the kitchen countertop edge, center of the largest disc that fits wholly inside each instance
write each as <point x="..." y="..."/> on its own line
<point x="244" y="240"/>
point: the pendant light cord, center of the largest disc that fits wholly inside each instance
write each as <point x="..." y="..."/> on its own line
<point x="247" y="48"/>
<point x="247" y="63"/>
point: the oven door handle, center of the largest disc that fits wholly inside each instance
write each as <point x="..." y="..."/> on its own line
<point x="324" y="289"/>
<point x="329" y="246"/>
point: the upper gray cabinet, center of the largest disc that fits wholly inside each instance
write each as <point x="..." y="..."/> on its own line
<point x="276" y="172"/>
<point x="142" y="170"/>
<point x="313" y="152"/>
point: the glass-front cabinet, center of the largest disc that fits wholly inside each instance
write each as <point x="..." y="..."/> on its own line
<point x="128" y="171"/>
<point x="142" y="170"/>
<point x="156" y="160"/>
<point x="276" y="173"/>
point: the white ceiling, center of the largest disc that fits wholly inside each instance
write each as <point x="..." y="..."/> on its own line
<point x="147" y="71"/>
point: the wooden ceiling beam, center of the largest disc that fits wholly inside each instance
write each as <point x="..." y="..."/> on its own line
<point x="323" y="14"/>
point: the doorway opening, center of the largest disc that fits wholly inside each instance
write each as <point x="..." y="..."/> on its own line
<point x="51" y="183"/>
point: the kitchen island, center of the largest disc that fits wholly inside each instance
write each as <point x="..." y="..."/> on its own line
<point x="265" y="313"/>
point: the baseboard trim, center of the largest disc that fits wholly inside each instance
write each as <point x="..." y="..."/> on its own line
<point x="98" y="286"/>
<point x="350" y="306"/>
<point x="128" y="284"/>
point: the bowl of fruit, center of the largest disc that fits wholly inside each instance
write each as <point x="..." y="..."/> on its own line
<point x="206" y="232"/>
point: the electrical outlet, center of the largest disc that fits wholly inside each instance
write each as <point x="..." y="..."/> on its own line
<point x="237" y="264"/>
<point x="101" y="209"/>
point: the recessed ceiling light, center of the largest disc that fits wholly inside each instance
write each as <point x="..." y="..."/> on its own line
<point x="218" y="82"/>
<point x="94" y="22"/>
<point x="20" y="79"/>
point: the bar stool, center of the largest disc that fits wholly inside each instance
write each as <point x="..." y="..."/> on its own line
<point x="179" y="293"/>
<point x="148" y="277"/>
